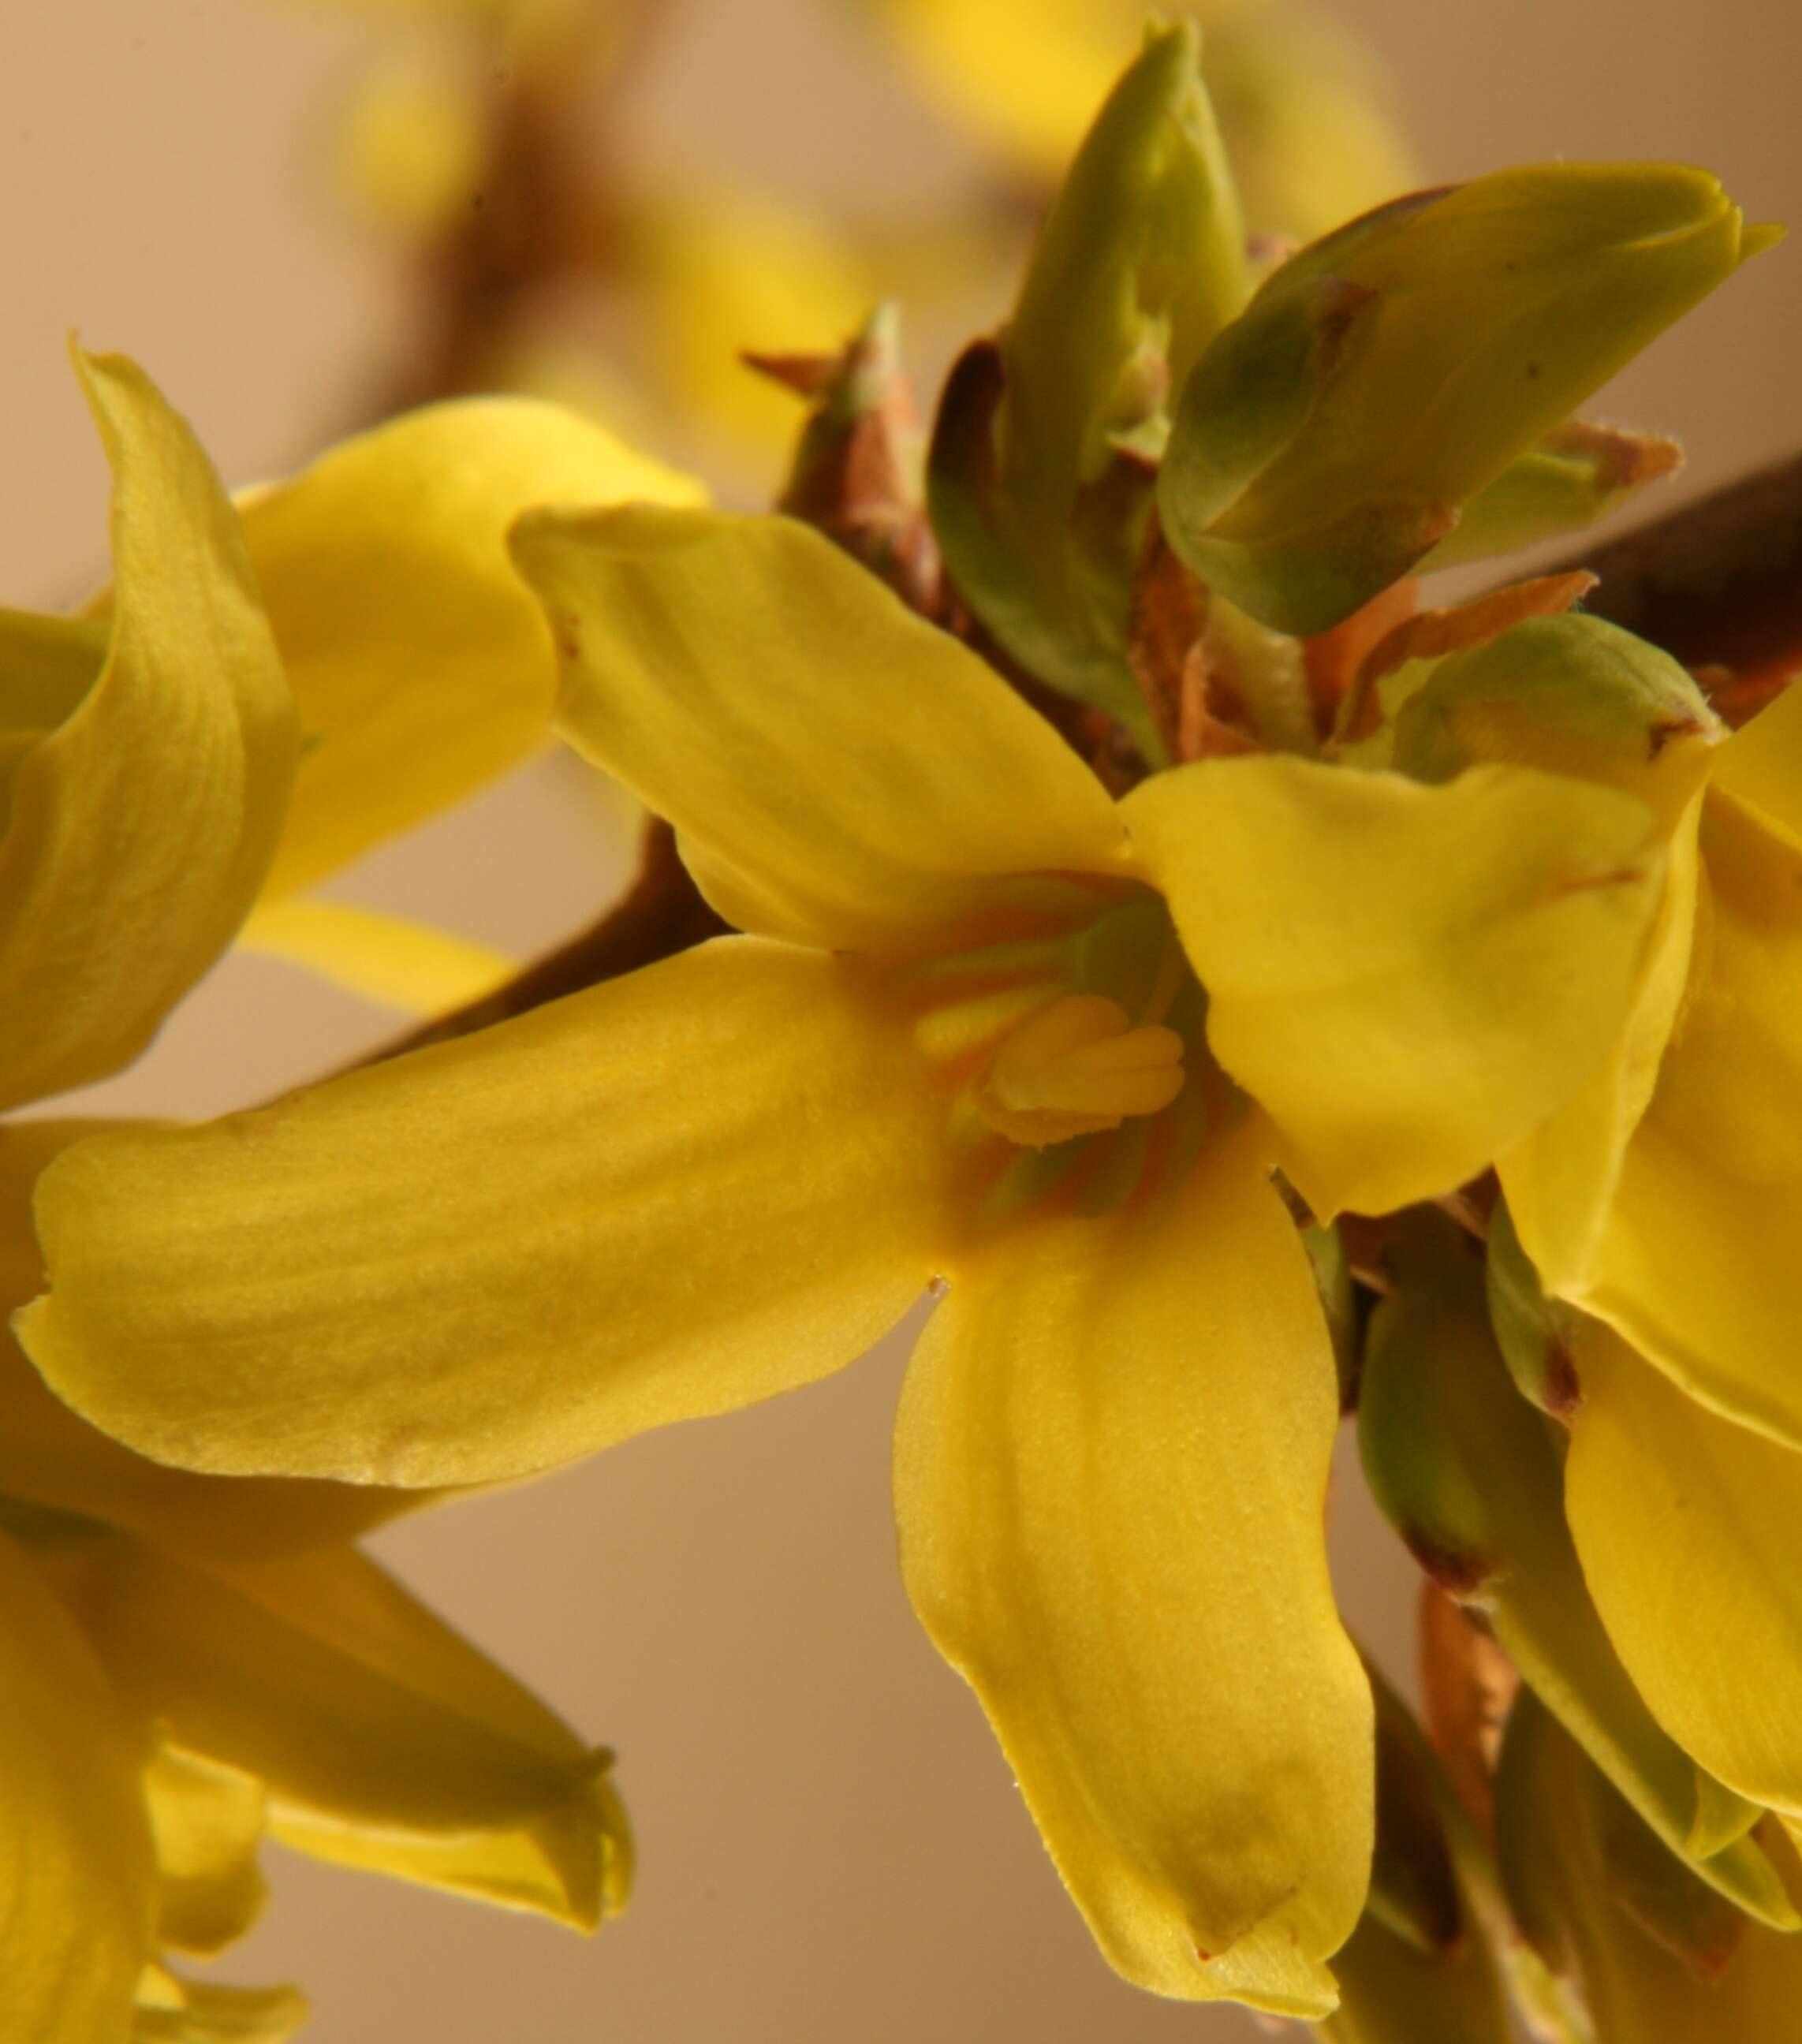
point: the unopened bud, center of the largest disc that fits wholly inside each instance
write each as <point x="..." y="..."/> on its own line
<point x="1331" y="436"/>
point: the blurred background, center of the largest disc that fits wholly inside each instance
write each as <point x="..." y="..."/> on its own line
<point x="830" y="1846"/>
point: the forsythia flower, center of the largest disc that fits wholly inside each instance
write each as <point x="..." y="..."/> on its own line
<point x="192" y="1661"/>
<point x="974" y="1032"/>
<point x="1298" y="102"/>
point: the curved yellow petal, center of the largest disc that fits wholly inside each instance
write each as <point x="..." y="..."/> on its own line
<point x="1690" y="1531"/>
<point x="367" y="1720"/>
<point x="420" y="667"/>
<point x="1560" y="1180"/>
<point x="139" y="824"/>
<point x="1695" y="1267"/>
<point x="842" y="773"/>
<point x="78" y="1882"/>
<point x="172" y="2011"/>
<point x="50" y="1457"/>
<point x="1406" y="978"/>
<point x="1761" y="765"/>
<point x="207" y="1823"/>
<point x="389" y="959"/>
<point x="1111" y="1468"/>
<point x="669" y="1196"/>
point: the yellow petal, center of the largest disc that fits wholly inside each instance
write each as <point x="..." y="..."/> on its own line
<point x="78" y="1882"/>
<point x="420" y="667"/>
<point x="171" y="2011"/>
<point x="50" y="1457"/>
<point x="207" y="1824"/>
<point x="1406" y="978"/>
<point x="140" y="824"/>
<point x="842" y="773"/>
<point x="389" y="959"/>
<point x="1560" y="1180"/>
<point x="1761" y="765"/>
<point x="1695" y="1267"/>
<point x="669" y="1196"/>
<point x="373" y="1726"/>
<point x="1111" y="1468"/>
<point x="1690" y="1531"/>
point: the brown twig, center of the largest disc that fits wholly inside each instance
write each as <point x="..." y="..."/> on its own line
<point x="662" y="913"/>
<point x="1717" y="583"/>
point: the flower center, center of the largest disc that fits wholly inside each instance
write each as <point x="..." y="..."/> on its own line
<point x="1075" y="1057"/>
<point x="1075" y="1067"/>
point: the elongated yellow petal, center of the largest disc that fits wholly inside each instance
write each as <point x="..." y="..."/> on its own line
<point x="389" y="959"/>
<point x="78" y="1882"/>
<point x="49" y="1456"/>
<point x="207" y="1824"/>
<point x="140" y="824"/>
<point x="841" y="773"/>
<point x="1406" y="978"/>
<point x="1690" y="1531"/>
<point x="172" y="2011"/>
<point x="421" y="668"/>
<point x="1110" y="1471"/>
<point x="364" y="1716"/>
<point x="669" y="1196"/>
<point x="1695" y="1267"/>
<point x="1560" y="1180"/>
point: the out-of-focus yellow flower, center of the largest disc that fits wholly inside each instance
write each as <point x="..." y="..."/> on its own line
<point x="1298" y="104"/>
<point x="193" y="1661"/>
<point x="966" y="1034"/>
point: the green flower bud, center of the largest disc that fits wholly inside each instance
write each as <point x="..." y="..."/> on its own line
<point x="1331" y="436"/>
<point x="1572" y="695"/>
<point x="1651" y="1952"/>
<point x="1470" y="1475"/>
<point x="1040" y="475"/>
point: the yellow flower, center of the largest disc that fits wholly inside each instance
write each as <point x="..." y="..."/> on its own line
<point x="1298" y="103"/>
<point x="1661" y="1199"/>
<point x="965" y="1036"/>
<point x="193" y="1661"/>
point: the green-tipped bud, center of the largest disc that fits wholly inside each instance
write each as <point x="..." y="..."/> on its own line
<point x="1040" y="475"/>
<point x="1470" y="1475"/>
<point x="1533" y="1333"/>
<point x="1572" y="695"/>
<point x="1332" y="435"/>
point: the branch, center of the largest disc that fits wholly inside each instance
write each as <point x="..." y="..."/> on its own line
<point x="662" y="914"/>
<point x="1717" y="583"/>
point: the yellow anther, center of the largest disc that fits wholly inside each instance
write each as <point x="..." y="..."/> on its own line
<point x="1077" y="1066"/>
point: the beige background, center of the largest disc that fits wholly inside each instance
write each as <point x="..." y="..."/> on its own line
<point x="830" y="1846"/>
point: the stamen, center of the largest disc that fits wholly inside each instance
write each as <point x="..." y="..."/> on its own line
<point x="1075" y="1067"/>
